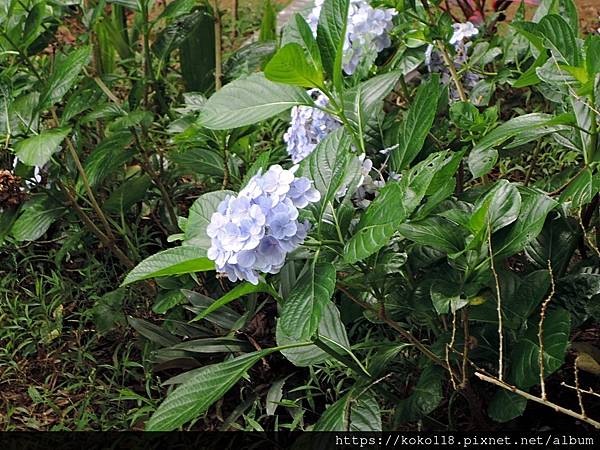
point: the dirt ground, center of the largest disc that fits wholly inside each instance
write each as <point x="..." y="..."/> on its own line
<point x="589" y="10"/>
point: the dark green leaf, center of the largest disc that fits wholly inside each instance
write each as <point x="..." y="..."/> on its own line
<point x="506" y="406"/>
<point x="64" y="76"/>
<point x="37" y="150"/>
<point x="525" y="368"/>
<point x="303" y="308"/>
<point x="535" y="206"/>
<point x="197" y="394"/>
<point x="416" y="124"/>
<point x="350" y="413"/>
<point x="36" y="217"/>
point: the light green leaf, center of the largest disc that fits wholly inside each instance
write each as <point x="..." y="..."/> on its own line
<point x="250" y="100"/>
<point x="173" y="261"/>
<point x="416" y="124"/>
<point x="291" y="66"/>
<point x="483" y="156"/>
<point x="331" y="33"/>
<point x="199" y="217"/>
<point x="64" y="76"/>
<point x="37" y="150"/>
<point x="303" y="308"/>
<point x="330" y="327"/>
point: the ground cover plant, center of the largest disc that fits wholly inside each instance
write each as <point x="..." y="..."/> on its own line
<point x="375" y="216"/>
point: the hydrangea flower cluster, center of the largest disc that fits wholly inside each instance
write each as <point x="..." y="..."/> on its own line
<point x="253" y="231"/>
<point x="367" y="31"/>
<point x="308" y="127"/>
<point x="459" y="39"/>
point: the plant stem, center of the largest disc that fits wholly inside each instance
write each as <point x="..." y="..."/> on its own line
<point x="106" y="241"/>
<point x="85" y="180"/>
<point x="218" y="44"/>
<point x="539" y="400"/>
<point x="147" y="166"/>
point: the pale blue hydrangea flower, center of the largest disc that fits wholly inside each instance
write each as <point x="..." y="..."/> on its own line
<point x="252" y="232"/>
<point x="308" y="127"/>
<point x="367" y="31"/>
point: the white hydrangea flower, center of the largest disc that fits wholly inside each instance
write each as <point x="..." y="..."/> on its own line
<point x="367" y="31"/>
<point x="462" y="32"/>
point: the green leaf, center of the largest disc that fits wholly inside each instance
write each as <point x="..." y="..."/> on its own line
<point x="239" y="291"/>
<point x="308" y="41"/>
<point x="580" y="190"/>
<point x="445" y="295"/>
<point x="327" y="166"/>
<point x="556" y="242"/>
<point x="197" y="52"/>
<point x="33" y="22"/>
<point x="362" y="103"/>
<point x="560" y="39"/>
<point x="498" y="208"/>
<point x="525" y="368"/>
<point x="291" y="66"/>
<point x="425" y="397"/>
<point x="64" y="76"/>
<point x="268" y="24"/>
<point x="506" y="406"/>
<point x="197" y="394"/>
<point x="435" y="232"/>
<point x="330" y="327"/>
<point x="483" y="156"/>
<point x="199" y="218"/>
<point x="416" y="124"/>
<point x="37" y="216"/>
<point x="110" y="155"/>
<point x="303" y="308"/>
<point x="250" y="100"/>
<point x="535" y="206"/>
<point x="592" y="54"/>
<point x="350" y="413"/>
<point x="129" y="193"/>
<point x="331" y="33"/>
<point x="37" y="150"/>
<point x="530" y="77"/>
<point x="173" y="261"/>
<point x="393" y="205"/>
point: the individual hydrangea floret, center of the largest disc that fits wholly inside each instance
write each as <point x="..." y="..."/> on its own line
<point x="308" y="127"/>
<point x="367" y="31"/>
<point x="252" y="232"/>
<point x="462" y="32"/>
